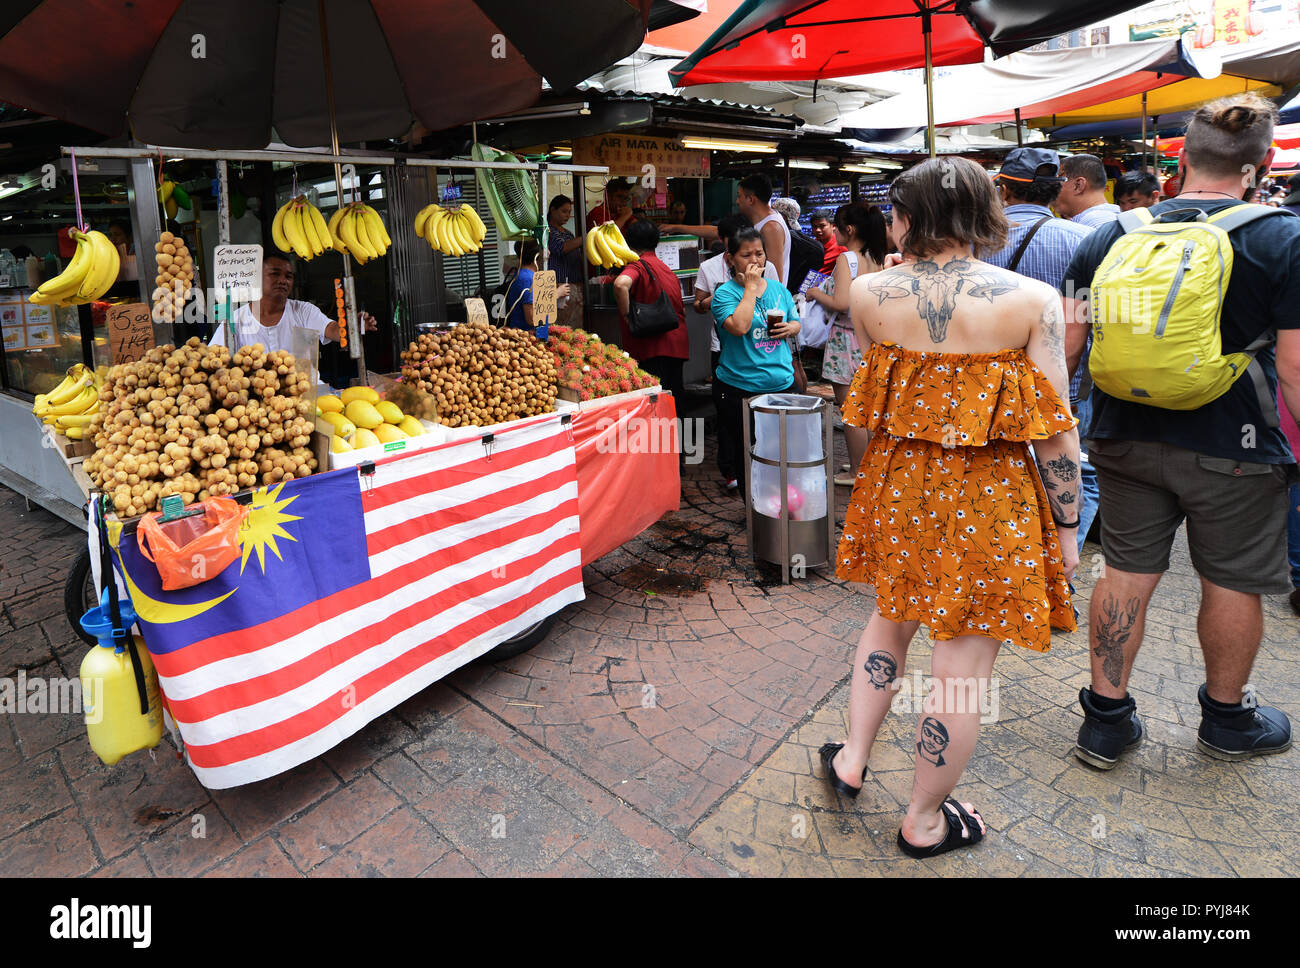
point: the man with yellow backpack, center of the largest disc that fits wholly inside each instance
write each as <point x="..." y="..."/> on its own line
<point x="1194" y="311"/>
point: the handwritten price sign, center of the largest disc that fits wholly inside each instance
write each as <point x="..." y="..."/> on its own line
<point x="130" y="332"/>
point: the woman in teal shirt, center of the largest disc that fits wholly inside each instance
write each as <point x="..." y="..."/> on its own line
<point x="755" y="358"/>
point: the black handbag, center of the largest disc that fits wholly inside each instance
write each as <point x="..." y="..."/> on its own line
<point x="651" y="319"/>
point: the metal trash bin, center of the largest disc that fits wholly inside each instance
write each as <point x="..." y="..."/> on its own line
<point x="789" y="480"/>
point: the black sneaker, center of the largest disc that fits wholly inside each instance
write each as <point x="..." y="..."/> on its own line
<point x="1242" y="731"/>
<point x="1105" y="736"/>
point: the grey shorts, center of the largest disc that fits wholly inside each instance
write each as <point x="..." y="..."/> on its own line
<point x="1235" y="511"/>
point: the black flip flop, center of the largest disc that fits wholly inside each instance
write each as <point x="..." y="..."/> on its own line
<point x="954" y="838"/>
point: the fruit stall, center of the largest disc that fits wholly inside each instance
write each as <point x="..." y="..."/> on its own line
<point x="384" y="535"/>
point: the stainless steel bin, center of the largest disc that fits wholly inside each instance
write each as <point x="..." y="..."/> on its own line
<point x="789" y="481"/>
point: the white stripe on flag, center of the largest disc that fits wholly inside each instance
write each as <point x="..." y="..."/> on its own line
<point x="292" y="754"/>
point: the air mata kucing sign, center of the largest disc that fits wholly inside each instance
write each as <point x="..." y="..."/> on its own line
<point x="628" y="154"/>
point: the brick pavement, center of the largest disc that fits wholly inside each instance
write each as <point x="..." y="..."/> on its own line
<point x="667" y="726"/>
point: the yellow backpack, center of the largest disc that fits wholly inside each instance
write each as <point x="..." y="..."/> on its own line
<point x="1156" y="304"/>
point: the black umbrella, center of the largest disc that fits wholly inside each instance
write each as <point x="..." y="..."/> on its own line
<point x="194" y="73"/>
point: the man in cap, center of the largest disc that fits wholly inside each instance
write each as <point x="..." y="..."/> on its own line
<point x="1292" y="200"/>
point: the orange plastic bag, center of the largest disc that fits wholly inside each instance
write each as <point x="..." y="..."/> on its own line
<point x="193" y="549"/>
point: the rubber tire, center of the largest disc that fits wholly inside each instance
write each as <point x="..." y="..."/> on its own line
<point x="522" y="642"/>
<point x="74" y="595"/>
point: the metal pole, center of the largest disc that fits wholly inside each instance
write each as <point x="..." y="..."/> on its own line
<point x="929" y="80"/>
<point x="223" y="205"/>
<point x="1144" y="130"/>
<point x="355" y="348"/>
<point x="1020" y="138"/>
<point x="786" y="190"/>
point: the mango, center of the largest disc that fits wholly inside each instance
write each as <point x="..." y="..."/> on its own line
<point x="343" y="427"/>
<point x="328" y="404"/>
<point x="363" y="414"/>
<point x="387" y="433"/>
<point x="338" y="445"/>
<point x="411" y="427"/>
<point x="359" y="393"/>
<point x="390" y="412"/>
<point x="364" y="438"/>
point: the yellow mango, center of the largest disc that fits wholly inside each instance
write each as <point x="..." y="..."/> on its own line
<point x="343" y="427"/>
<point x="338" y="445"/>
<point x="364" y="438"/>
<point x="387" y="433"/>
<point x="389" y="411"/>
<point x="358" y="393"/>
<point x="411" y="427"/>
<point x="329" y="404"/>
<point x="363" y="414"/>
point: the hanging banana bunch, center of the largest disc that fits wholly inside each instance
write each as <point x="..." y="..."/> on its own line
<point x="606" y="247"/>
<point x="90" y="274"/>
<point x="300" y="228"/>
<point x="358" y="230"/>
<point x="173" y="198"/>
<point x="452" y="232"/>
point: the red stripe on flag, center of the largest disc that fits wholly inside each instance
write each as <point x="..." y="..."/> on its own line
<point x="477" y="468"/>
<point x="247" y="640"/>
<point x="480" y="506"/>
<point x="319" y="716"/>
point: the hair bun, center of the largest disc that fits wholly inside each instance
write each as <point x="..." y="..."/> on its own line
<point x="1236" y="118"/>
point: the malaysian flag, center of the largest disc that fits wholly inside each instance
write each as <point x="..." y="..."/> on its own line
<point x="355" y="591"/>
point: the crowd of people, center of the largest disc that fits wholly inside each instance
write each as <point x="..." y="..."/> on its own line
<point x="1001" y="390"/>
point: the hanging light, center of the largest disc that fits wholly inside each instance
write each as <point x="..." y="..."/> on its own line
<point x="724" y="144"/>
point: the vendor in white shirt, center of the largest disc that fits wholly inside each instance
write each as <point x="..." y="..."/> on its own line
<point x="272" y="320"/>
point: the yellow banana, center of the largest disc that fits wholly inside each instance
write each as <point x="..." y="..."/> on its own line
<point x="478" y="231"/>
<point x="347" y="232"/>
<point x="607" y="260"/>
<point x="293" y="231"/>
<point x="460" y="232"/>
<point x="375" y="229"/>
<point x="333" y="229"/>
<point x="589" y="247"/>
<point x="83" y="396"/>
<point x="103" y="270"/>
<point x="618" y="246"/>
<point x="422" y="218"/>
<point x="436" y="231"/>
<point x="165" y="190"/>
<point x="73" y="420"/>
<point x="277" y="228"/>
<point x="363" y="236"/>
<point x="308" y="223"/>
<point x="69" y="280"/>
<point x="322" y="230"/>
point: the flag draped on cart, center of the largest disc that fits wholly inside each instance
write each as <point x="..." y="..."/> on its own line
<point x="355" y="591"/>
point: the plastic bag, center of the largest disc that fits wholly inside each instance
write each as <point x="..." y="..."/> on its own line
<point x="193" y="549"/>
<point x="814" y="326"/>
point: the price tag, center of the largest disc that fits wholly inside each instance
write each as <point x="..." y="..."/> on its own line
<point x="130" y="332"/>
<point x="476" y="309"/>
<point x="544" y="303"/>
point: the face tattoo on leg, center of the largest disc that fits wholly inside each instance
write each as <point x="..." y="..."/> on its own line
<point x="934" y="740"/>
<point x="882" y="668"/>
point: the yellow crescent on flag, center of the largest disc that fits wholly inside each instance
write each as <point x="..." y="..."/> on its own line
<point x="150" y="609"/>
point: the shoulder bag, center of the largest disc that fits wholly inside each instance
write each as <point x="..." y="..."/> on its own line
<point x="651" y="319"/>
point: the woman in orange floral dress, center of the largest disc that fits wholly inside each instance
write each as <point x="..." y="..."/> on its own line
<point x="949" y="519"/>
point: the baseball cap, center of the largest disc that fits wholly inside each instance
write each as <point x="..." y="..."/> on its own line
<point x="1022" y="165"/>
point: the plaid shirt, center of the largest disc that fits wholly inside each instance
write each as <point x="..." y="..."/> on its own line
<point x="1046" y="257"/>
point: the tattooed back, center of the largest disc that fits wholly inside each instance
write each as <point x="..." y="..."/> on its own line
<point x="949" y="303"/>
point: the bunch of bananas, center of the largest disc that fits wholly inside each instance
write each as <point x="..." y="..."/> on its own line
<point x="300" y="228"/>
<point x="358" y="230"/>
<point x="69" y="407"/>
<point x="173" y="198"/>
<point x="605" y="247"/>
<point x="451" y="231"/>
<point x="89" y="275"/>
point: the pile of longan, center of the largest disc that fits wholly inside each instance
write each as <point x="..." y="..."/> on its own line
<point x="175" y="277"/>
<point x="200" y="422"/>
<point x="482" y="375"/>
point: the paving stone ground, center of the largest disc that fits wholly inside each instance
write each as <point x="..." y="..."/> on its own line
<point x="667" y="726"/>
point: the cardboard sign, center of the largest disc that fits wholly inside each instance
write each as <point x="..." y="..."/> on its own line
<point x="11" y="322"/>
<point x="476" y="309"/>
<point x="544" y="302"/>
<point x="130" y="331"/>
<point x="239" y="269"/>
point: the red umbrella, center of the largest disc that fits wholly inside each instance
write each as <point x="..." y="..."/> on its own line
<point x="1284" y="136"/>
<point x="193" y="73"/>
<point x="767" y="40"/>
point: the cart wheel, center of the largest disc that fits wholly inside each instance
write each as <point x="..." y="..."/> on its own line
<point x="79" y="594"/>
<point x="522" y="642"/>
